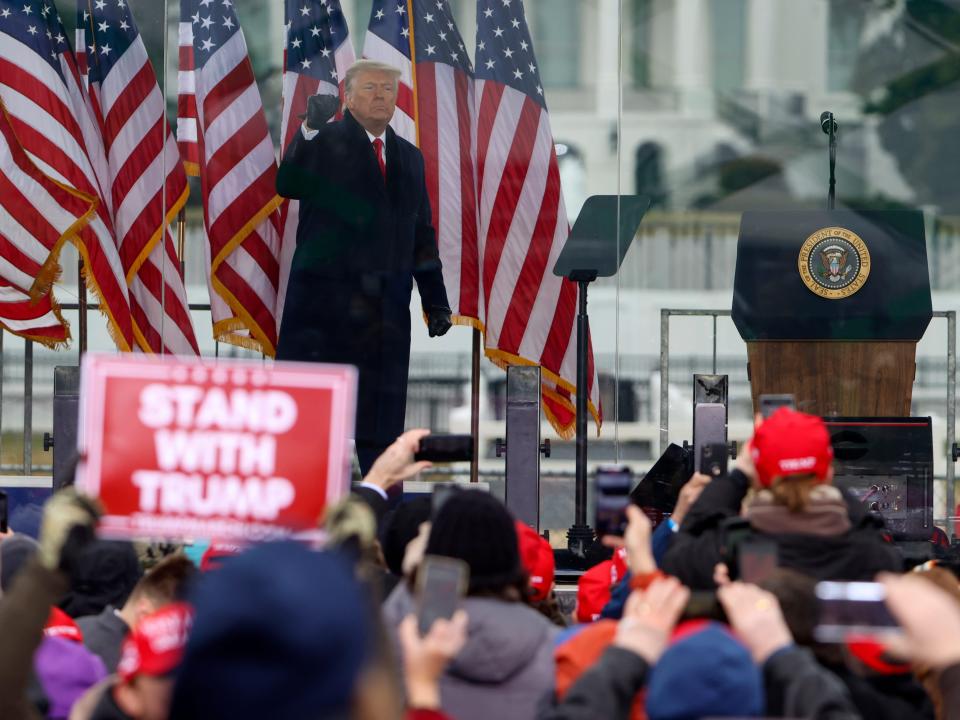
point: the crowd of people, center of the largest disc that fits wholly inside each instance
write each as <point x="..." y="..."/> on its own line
<point x="667" y="628"/>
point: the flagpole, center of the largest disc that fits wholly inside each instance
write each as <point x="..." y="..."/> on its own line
<point x="475" y="407"/>
<point x="182" y="240"/>
<point x="82" y="296"/>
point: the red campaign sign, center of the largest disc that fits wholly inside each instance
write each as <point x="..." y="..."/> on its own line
<point x="180" y="448"/>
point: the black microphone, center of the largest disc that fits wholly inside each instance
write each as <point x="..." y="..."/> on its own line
<point x="826" y="119"/>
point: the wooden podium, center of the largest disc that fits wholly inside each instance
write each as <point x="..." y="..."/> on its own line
<point x="831" y="305"/>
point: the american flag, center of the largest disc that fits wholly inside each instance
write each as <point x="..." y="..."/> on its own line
<point x="42" y="92"/>
<point x="443" y="79"/>
<point x="530" y="313"/>
<point x="147" y="184"/>
<point x="315" y="59"/>
<point x="237" y="169"/>
<point x="388" y="41"/>
<point x="35" y="215"/>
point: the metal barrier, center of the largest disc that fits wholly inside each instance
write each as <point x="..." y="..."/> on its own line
<point x="949" y="315"/>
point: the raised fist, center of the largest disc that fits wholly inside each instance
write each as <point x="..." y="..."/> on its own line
<point x="320" y="108"/>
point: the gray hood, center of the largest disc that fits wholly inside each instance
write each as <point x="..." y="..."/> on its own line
<point x="503" y="637"/>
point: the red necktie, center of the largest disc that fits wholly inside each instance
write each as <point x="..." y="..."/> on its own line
<point x="378" y="146"/>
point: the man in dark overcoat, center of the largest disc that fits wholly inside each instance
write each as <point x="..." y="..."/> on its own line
<point x="365" y="233"/>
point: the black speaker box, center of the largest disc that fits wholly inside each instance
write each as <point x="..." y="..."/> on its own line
<point x="887" y="462"/>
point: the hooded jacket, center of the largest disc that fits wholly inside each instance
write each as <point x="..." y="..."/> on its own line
<point x="854" y="551"/>
<point x="506" y="668"/>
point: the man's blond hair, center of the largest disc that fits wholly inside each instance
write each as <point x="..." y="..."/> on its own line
<point x="361" y="66"/>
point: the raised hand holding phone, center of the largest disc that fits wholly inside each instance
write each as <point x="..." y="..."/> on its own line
<point x="441" y="584"/>
<point x="613" y="485"/>
<point x="425" y="657"/>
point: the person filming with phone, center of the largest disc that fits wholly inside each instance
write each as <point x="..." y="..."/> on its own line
<point x="794" y="510"/>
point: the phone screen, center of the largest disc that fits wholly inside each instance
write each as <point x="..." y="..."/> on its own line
<point x="445" y="448"/>
<point x="769" y="404"/>
<point x="441" y="584"/>
<point x="613" y="486"/>
<point x="756" y="560"/>
<point x="852" y="608"/>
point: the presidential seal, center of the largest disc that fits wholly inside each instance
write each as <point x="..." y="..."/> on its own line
<point x="834" y="263"/>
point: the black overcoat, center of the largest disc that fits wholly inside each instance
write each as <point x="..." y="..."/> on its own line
<point x="360" y="244"/>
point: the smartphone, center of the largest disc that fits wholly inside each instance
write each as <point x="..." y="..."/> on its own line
<point x="3" y="511"/>
<point x="441" y="585"/>
<point x="445" y="448"/>
<point x="757" y="560"/>
<point x="734" y="531"/>
<point x="852" y="608"/>
<point x="613" y="486"/>
<point x="441" y="493"/>
<point x="709" y="426"/>
<point x="770" y="403"/>
<point x="713" y="459"/>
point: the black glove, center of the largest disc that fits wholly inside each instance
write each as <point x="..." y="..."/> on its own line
<point x="438" y="321"/>
<point x="320" y="108"/>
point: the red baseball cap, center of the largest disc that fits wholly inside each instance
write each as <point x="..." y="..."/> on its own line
<point x="59" y="624"/>
<point x="156" y="645"/>
<point x="536" y="555"/>
<point x="215" y="554"/>
<point x="874" y="656"/>
<point x="791" y="443"/>
<point x="593" y="590"/>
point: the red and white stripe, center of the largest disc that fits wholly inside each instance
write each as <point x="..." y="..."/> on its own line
<point x="188" y="130"/>
<point x="445" y="102"/>
<point x="36" y="216"/>
<point x="38" y="320"/>
<point x="52" y="124"/>
<point x="237" y="168"/>
<point x="403" y="122"/>
<point x="530" y="314"/>
<point x="148" y="187"/>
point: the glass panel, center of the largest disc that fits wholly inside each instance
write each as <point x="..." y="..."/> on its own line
<point x="722" y="108"/>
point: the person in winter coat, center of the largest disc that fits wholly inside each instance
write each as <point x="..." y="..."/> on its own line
<point x="67" y="525"/>
<point x="819" y="530"/>
<point x="365" y="233"/>
<point x="104" y="633"/>
<point x="149" y="657"/>
<point x="506" y="668"/>
<point x="704" y="671"/>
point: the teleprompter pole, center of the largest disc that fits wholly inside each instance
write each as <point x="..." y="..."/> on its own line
<point x="580" y="535"/>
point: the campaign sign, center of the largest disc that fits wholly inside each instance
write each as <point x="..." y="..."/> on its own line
<point x="233" y="450"/>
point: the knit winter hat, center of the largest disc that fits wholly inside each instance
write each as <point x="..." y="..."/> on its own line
<point x="15" y="551"/>
<point x="66" y="670"/>
<point x="791" y="443"/>
<point x="400" y="528"/>
<point x="475" y="527"/>
<point x="105" y="574"/>
<point x="706" y="673"/>
<point x="279" y="632"/>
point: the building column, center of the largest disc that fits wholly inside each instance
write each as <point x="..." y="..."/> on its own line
<point x="693" y="76"/>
